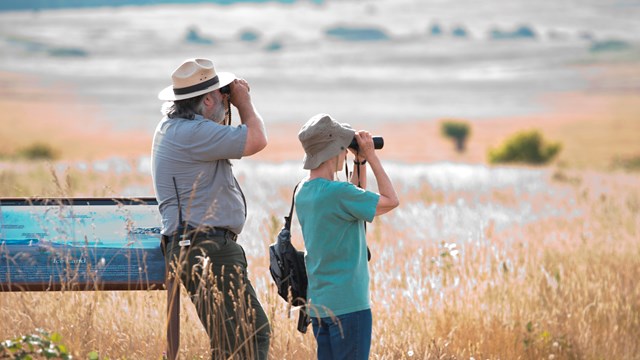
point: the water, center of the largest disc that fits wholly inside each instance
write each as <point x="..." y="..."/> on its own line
<point x="121" y="57"/>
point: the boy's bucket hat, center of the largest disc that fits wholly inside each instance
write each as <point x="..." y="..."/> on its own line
<point x="323" y="138"/>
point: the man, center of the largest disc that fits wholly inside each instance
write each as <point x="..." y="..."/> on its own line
<point x="202" y="206"/>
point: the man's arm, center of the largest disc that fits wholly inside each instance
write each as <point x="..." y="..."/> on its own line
<point x="256" y="132"/>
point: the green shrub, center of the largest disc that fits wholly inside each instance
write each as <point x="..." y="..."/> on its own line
<point x="38" y="151"/>
<point x="525" y="147"/>
<point x="629" y="163"/>
<point x="456" y="130"/>
<point x="40" y="345"/>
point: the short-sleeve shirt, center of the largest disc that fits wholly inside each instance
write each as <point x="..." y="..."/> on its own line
<point x="197" y="152"/>
<point x="332" y="216"/>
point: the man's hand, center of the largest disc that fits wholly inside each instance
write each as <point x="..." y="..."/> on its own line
<point x="239" y="95"/>
<point x="256" y="132"/>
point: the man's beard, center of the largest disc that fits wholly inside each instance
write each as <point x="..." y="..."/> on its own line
<point x="219" y="114"/>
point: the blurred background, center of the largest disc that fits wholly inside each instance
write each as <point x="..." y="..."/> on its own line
<point x="511" y="135"/>
<point x="82" y="77"/>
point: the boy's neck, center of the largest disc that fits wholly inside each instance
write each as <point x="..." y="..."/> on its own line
<point x="326" y="170"/>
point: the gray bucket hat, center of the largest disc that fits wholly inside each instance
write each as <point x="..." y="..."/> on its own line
<point x="323" y="138"/>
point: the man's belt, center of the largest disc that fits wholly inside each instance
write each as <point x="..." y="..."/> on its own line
<point x="202" y="233"/>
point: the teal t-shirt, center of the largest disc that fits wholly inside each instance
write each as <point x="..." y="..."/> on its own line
<point x="332" y="216"/>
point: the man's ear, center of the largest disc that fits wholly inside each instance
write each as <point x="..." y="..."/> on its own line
<point x="208" y="100"/>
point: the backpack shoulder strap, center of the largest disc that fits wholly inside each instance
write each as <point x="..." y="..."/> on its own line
<point x="287" y="219"/>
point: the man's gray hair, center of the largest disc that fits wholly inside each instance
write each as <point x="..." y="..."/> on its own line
<point x="184" y="109"/>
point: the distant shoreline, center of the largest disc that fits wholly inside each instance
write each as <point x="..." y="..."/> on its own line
<point x="37" y="5"/>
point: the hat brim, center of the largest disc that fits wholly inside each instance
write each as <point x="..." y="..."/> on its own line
<point x="333" y="149"/>
<point x="224" y="78"/>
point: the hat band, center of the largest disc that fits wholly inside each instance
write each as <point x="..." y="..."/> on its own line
<point x="197" y="87"/>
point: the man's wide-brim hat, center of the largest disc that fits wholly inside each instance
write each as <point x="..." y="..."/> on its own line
<point x="194" y="77"/>
<point x="323" y="138"/>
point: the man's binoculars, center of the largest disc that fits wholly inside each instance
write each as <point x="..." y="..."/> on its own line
<point x="378" y="143"/>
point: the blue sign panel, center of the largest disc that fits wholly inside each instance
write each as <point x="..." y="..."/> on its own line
<point x="80" y="244"/>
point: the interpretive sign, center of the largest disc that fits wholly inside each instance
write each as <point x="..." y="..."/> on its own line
<point x="80" y="244"/>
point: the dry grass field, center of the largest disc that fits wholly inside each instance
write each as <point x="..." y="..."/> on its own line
<point x="482" y="262"/>
<point x="478" y="262"/>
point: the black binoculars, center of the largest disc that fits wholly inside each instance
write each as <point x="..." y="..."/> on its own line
<point x="378" y="143"/>
<point x="226" y="89"/>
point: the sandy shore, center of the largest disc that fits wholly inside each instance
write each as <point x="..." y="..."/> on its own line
<point x="594" y="126"/>
<point x="33" y="111"/>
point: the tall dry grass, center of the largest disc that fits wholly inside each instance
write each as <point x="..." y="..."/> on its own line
<point x="478" y="262"/>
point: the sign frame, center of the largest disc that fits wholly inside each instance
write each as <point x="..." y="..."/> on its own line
<point x="80" y="244"/>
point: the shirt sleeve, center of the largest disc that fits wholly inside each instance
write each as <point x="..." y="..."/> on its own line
<point x="211" y="141"/>
<point x="356" y="203"/>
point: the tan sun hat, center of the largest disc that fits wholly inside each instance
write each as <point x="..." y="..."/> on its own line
<point x="194" y="77"/>
<point x="323" y="138"/>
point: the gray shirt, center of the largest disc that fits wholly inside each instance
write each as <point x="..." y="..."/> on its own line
<point x="196" y="153"/>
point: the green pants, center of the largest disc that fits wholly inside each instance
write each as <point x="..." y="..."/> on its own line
<point x="214" y="272"/>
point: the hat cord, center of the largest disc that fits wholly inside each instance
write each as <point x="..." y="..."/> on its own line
<point x="228" y="114"/>
<point x="346" y="170"/>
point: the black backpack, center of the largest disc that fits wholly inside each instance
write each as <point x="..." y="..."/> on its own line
<point x="286" y="265"/>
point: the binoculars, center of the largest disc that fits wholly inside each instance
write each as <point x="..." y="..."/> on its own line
<point x="378" y="143"/>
